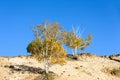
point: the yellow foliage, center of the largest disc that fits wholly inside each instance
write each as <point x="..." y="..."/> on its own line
<point x="55" y="52"/>
<point x="74" y="41"/>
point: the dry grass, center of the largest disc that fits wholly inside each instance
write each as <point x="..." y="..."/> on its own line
<point x="112" y="71"/>
<point x="77" y="67"/>
<point x="115" y="71"/>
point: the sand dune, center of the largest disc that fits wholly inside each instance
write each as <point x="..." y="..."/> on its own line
<point x="85" y="68"/>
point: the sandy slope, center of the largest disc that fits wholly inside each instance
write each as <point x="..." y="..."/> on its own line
<point x="86" y="68"/>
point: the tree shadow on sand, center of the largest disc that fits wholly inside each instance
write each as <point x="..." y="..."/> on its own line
<point x="24" y="68"/>
<point x="35" y="70"/>
<point x="116" y="55"/>
<point x="114" y="59"/>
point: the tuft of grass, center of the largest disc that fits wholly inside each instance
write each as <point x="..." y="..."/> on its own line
<point x="115" y="71"/>
<point x="90" y="55"/>
<point x="48" y="76"/>
<point x="112" y="71"/>
<point x="45" y="76"/>
<point x="77" y="67"/>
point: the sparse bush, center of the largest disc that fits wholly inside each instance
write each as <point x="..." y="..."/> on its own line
<point x="115" y="71"/>
<point x="89" y="54"/>
<point x="44" y="76"/>
<point x="112" y="71"/>
<point x="48" y="76"/>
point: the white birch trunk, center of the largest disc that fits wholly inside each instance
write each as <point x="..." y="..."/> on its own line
<point x="46" y="64"/>
<point x="74" y="51"/>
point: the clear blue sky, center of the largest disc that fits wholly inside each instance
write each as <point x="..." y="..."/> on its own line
<point x="99" y="17"/>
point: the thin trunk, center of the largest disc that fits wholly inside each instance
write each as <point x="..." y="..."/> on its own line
<point x="44" y="61"/>
<point x="46" y="64"/>
<point x="74" y="51"/>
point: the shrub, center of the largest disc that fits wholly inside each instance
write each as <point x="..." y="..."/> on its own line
<point x="112" y="71"/>
<point x="115" y="71"/>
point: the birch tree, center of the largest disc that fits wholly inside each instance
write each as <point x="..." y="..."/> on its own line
<point x="48" y="44"/>
<point x="75" y="41"/>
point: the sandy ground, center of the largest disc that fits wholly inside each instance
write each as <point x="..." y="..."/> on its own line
<point x="86" y="68"/>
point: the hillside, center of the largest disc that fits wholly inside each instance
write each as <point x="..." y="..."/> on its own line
<point x="86" y="67"/>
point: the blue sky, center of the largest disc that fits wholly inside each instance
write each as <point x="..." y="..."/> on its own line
<point x="101" y="18"/>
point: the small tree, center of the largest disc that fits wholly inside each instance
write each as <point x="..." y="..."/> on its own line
<point x="48" y="44"/>
<point x="74" y="40"/>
